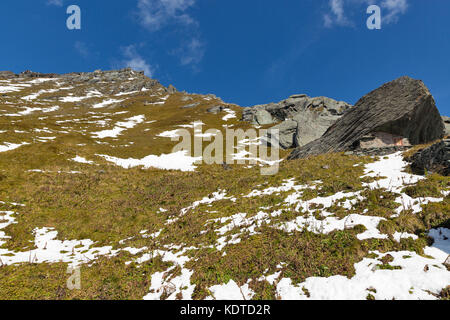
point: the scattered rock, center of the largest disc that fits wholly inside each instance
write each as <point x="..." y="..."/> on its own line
<point x="31" y="74"/>
<point x="433" y="159"/>
<point x="119" y="81"/>
<point x="171" y="89"/>
<point x="186" y="98"/>
<point x="217" y="109"/>
<point x="398" y="114"/>
<point x="377" y="152"/>
<point x="192" y="105"/>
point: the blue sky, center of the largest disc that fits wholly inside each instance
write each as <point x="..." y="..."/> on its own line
<point x="247" y="52"/>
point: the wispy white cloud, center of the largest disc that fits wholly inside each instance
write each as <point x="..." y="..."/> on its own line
<point x="337" y="15"/>
<point x="394" y="8"/>
<point x="339" y="12"/>
<point x="155" y="14"/>
<point x="58" y="3"/>
<point x="135" y="61"/>
<point x="82" y="49"/>
<point x="192" y="52"/>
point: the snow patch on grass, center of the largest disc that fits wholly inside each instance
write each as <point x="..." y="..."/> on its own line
<point x="173" y="161"/>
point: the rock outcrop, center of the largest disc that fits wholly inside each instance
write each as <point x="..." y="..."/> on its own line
<point x="113" y="81"/>
<point x="7" y="75"/>
<point x="447" y="125"/>
<point x="399" y="113"/>
<point x="299" y="119"/>
<point x="217" y="109"/>
<point x="118" y="81"/>
<point x="433" y="159"/>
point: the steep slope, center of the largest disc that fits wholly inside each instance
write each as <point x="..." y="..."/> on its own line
<point x="86" y="182"/>
<point x="120" y="116"/>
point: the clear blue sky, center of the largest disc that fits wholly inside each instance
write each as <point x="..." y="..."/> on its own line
<point x="247" y="52"/>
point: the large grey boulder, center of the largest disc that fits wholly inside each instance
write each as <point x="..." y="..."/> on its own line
<point x="312" y="125"/>
<point x="300" y="119"/>
<point x="216" y="109"/>
<point x="399" y="113"/>
<point x="287" y="131"/>
<point x="433" y="159"/>
<point x="263" y="117"/>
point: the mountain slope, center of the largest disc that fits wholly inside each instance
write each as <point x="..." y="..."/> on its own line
<point x="83" y="184"/>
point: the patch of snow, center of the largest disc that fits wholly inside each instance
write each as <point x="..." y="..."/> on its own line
<point x="120" y="127"/>
<point x="11" y="146"/>
<point x="106" y="103"/>
<point x="174" y="161"/>
<point x="82" y="160"/>
<point x="231" y="291"/>
<point x="231" y="114"/>
<point x="50" y="250"/>
<point x="417" y="277"/>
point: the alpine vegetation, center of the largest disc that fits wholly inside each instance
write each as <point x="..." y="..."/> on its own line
<point x="113" y="186"/>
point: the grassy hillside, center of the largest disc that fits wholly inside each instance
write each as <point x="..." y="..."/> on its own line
<point x="371" y="228"/>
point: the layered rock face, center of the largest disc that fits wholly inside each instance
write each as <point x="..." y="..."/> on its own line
<point x="399" y="113"/>
<point x="300" y="119"/>
<point x="433" y="159"/>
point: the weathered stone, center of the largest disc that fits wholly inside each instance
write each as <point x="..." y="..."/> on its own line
<point x="263" y="117"/>
<point x="433" y="159"/>
<point x="401" y="109"/>
<point x="186" y="98"/>
<point x="313" y="117"/>
<point x="447" y="125"/>
<point x="171" y="89"/>
<point x="312" y="125"/>
<point x="216" y="109"/>
<point x="31" y="74"/>
<point x="192" y="105"/>
<point x="287" y="130"/>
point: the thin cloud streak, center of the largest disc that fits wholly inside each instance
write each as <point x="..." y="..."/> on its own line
<point x="339" y="11"/>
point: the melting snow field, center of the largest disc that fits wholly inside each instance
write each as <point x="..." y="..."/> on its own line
<point x="47" y="249"/>
<point x="10" y="146"/>
<point x="120" y="127"/>
<point x="173" y="161"/>
<point x="417" y="277"/>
